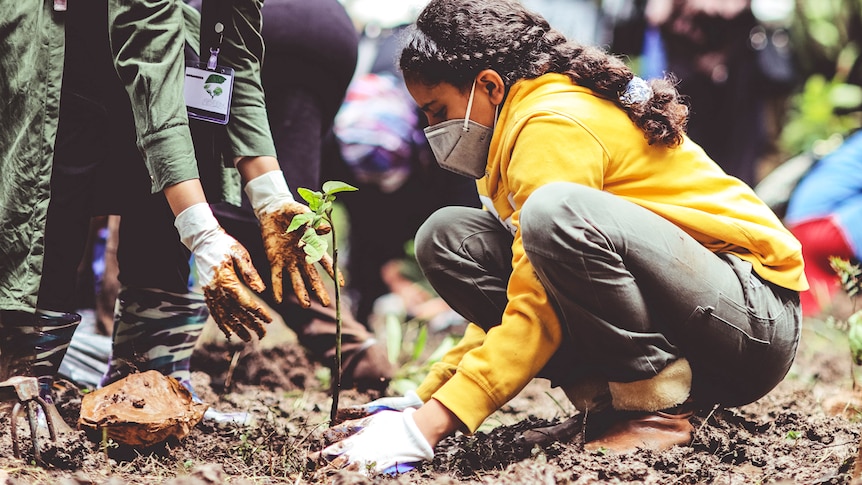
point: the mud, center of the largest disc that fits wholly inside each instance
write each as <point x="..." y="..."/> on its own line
<point x="806" y="431"/>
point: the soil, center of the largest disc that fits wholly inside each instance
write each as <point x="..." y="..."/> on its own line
<point x="806" y="431"/>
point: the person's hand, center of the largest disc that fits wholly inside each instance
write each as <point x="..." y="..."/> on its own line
<point x="387" y="442"/>
<point x="275" y="208"/>
<point x="218" y="256"/>
<point x="396" y="403"/>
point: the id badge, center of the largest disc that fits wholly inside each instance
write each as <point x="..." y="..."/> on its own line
<point x="208" y="92"/>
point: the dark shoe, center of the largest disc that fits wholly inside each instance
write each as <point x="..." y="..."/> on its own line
<point x="652" y="431"/>
<point x="561" y="432"/>
<point x="33" y="345"/>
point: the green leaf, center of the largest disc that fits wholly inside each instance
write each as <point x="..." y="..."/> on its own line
<point x="854" y="335"/>
<point x="315" y="246"/>
<point x="393" y="337"/>
<point x="215" y="78"/>
<point x="419" y="344"/>
<point x="400" y="385"/>
<point x="849" y="273"/>
<point x="300" y="220"/>
<point x="846" y="96"/>
<point x="334" y="186"/>
<point x="445" y="346"/>
<point x="319" y="221"/>
<point x="308" y="194"/>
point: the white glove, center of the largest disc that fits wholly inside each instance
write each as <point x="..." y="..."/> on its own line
<point x="388" y="442"/>
<point x="397" y="403"/>
<point x="275" y="208"/>
<point x="217" y="257"/>
<point x="268" y="192"/>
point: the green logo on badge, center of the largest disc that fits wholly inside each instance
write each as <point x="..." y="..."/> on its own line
<point x="212" y="85"/>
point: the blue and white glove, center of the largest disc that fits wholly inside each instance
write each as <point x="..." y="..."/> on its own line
<point x="388" y="442"/>
<point x="397" y="403"/>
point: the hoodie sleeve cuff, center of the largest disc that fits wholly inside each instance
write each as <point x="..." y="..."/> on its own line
<point x="467" y="400"/>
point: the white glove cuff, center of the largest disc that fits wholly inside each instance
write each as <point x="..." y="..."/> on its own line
<point x="416" y="436"/>
<point x="267" y="188"/>
<point x="194" y="223"/>
<point x="412" y="400"/>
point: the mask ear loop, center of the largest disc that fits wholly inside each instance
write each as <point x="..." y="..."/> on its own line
<point x="469" y="106"/>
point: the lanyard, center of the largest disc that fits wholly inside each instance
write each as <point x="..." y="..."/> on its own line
<point x="212" y="28"/>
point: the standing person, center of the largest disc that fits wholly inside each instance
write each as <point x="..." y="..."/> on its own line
<point x="31" y="36"/>
<point x="319" y="40"/>
<point x="157" y="325"/>
<point x="711" y="47"/>
<point x="148" y="66"/>
<point x="614" y="258"/>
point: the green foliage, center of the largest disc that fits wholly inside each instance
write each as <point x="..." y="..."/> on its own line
<point x="854" y="336"/>
<point x="793" y="435"/>
<point x="848" y="273"/>
<point x="851" y="282"/>
<point x="826" y="44"/>
<point x="321" y="205"/>
<point x="816" y="121"/>
<point x="247" y="449"/>
<point x="407" y="348"/>
<point x="107" y="443"/>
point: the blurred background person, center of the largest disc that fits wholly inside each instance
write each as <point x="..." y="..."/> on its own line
<point x="825" y="214"/>
<point x="381" y="149"/>
<point x="731" y="66"/>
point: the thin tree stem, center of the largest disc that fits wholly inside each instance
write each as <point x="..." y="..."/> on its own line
<point x="336" y="378"/>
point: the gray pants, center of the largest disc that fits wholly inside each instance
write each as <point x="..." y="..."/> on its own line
<point x="633" y="292"/>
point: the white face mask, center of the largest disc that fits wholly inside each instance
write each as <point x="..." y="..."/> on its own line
<point x="461" y="145"/>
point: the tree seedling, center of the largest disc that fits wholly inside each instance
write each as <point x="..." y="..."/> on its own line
<point x="315" y="246"/>
<point x="851" y="282"/>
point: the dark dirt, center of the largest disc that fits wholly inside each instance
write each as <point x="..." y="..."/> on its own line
<point x="786" y="437"/>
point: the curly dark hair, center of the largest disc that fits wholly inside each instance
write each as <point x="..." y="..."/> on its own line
<point x="453" y="40"/>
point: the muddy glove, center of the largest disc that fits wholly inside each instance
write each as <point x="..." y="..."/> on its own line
<point x="396" y="403"/>
<point x="388" y="442"/>
<point x="275" y="207"/>
<point x="218" y="256"/>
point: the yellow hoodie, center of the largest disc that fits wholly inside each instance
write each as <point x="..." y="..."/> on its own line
<point x="552" y="130"/>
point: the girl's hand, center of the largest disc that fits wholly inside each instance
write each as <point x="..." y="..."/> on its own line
<point x="388" y="442"/>
<point x="396" y="403"/>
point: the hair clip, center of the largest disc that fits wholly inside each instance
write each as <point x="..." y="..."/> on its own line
<point x="637" y="92"/>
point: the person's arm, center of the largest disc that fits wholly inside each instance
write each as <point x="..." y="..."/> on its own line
<point x="436" y="421"/>
<point x="183" y="195"/>
<point x="252" y="149"/>
<point x="251" y="168"/>
<point x="147" y="40"/>
<point x="513" y="353"/>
